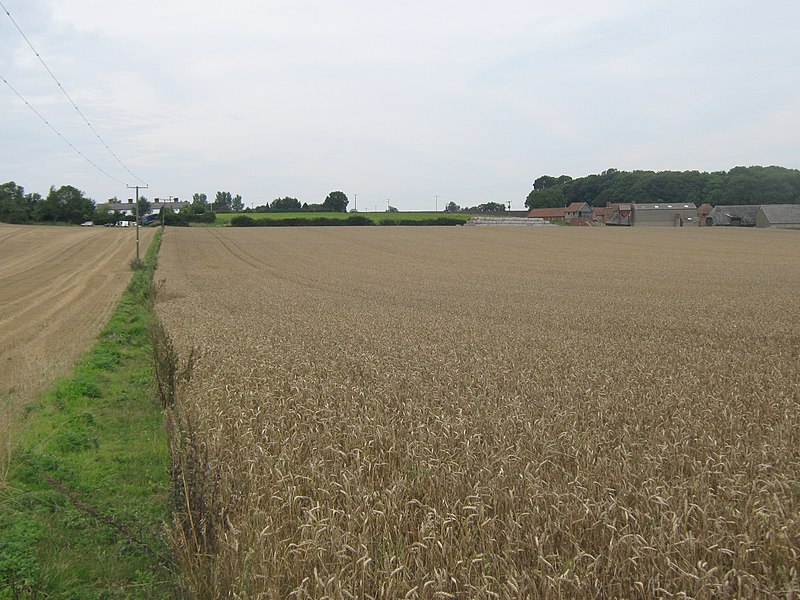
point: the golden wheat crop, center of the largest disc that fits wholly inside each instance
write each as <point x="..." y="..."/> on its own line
<point x="486" y="413"/>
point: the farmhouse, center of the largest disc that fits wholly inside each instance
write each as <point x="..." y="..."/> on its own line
<point x="743" y="215"/>
<point x="129" y="208"/>
<point x="780" y="216"/>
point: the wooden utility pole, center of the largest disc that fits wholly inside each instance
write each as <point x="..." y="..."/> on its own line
<point x="136" y="211"/>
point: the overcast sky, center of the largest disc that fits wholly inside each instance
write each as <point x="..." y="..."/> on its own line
<point x="397" y="101"/>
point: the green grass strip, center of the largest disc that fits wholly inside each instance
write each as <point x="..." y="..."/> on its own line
<point x="83" y="511"/>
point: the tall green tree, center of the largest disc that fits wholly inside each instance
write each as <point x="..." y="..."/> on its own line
<point x="66" y="204"/>
<point x="336" y="202"/>
<point x="144" y="206"/>
<point x="200" y="201"/>
<point x="237" y="205"/>
<point x="549" y="197"/>
<point x="223" y="202"/>
<point x="546" y="181"/>
<point x="15" y="205"/>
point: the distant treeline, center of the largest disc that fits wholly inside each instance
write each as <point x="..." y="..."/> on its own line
<point x="68" y="204"/>
<point x="355" y="220"/>
<point x="62" y="205"/>
<point x="740" y="185"/>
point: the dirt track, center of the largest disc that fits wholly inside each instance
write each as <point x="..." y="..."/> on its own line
<point x="58" y="286"/>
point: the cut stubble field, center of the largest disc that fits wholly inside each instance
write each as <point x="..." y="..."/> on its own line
<point x="58" y="286"/>
<point x="486" y="412"/>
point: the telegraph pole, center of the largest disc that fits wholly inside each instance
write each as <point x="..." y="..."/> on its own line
<point x="437" y="203"/>
<point x="136" y="187"/>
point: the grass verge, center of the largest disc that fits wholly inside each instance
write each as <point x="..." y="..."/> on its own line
<point x="84" y="506"/>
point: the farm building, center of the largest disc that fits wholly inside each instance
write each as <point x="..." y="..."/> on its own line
<point x="577" y="213"/>
<point x="781" y="216"/>
<point x="743" y="215"/>
<point x="548" y="214"/>
<point x="704" y="214"/>
<point x="620" y="214"/>
<point x="600" y="214"/>
<point x="663" y="214"/>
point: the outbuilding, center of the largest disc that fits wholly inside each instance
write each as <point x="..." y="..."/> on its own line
<point x="578" y="213"/>
<point x="665" y="214"/>
<point x="548" y="214"/>
<point x="780" y="216"/>
<point x="741" y="215"/>
<point x="621" y="214"/>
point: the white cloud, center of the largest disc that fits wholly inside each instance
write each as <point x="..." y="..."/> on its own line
<point x="410" y="99"/>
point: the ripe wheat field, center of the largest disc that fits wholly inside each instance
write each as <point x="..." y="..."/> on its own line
<point x="486" y="412"/>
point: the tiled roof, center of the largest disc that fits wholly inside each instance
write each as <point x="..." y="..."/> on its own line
<point x="548" y="213"/>
<point x="577" y="206"/>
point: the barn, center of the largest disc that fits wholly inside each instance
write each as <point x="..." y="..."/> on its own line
<point x="577" y="213"/>
<point x="780" y="216"/>
<point x="664" y="214"/>
<point x="743" y="215"/>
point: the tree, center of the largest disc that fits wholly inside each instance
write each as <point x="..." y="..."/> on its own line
<point x="546" y="198"/>
<point x="286" y="204"/>
<point x="15" y="205"/>
<point x="223" y="202"/>
<point x="144" y="206"/>
<point x="392" y="209"/>
<point x="237" y="205"/>
<point x="491" y="207"/>
<point x="547" y="181"/>
<point x="102" y="215"/>
<point x="336" y="202"/>
<point x="199" y="203"/>
<point x="452" y="207"/>
<point x="65" y="204"/>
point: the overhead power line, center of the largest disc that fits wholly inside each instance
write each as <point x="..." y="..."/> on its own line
<point x="58" y="133"/>
<point x="75" y="106"/>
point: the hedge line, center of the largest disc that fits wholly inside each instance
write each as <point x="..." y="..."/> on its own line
<point x="182" y="219"/>
<point x="245" y="221"/>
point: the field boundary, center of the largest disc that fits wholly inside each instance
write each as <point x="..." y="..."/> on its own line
<point x="316" y="219"/>
<point x="84" y="507"/>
